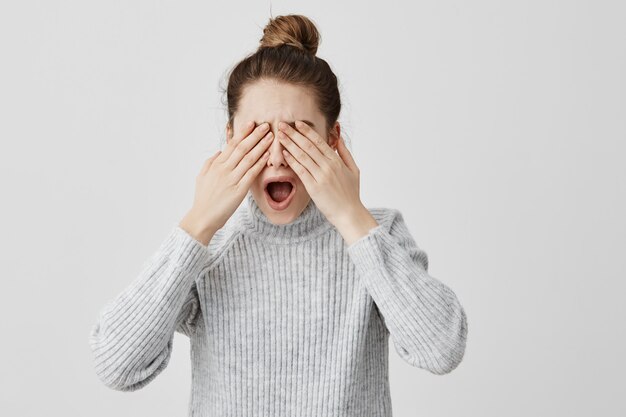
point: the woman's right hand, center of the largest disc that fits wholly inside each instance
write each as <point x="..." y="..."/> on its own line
<point x="225" y="179"/>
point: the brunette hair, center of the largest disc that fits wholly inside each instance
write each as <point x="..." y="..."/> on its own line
<point x="287" y="53"/>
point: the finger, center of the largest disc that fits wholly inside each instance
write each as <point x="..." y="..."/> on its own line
<point x="243" y="148"/>
<point x="317" y="140"/>
<point x="207" y="164"/>
<point x="246" y="129"/>
<point x="252" y="156"/>
<point x="345" y="154"/>
<point x="305" y="176"/>
<point x="305" y="143"/>
<point x="299" y="154"/>
<point x="301" y="148"/>
<point x="246" y="180"/>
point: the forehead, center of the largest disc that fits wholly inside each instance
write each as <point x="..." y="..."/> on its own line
<point x="271" y="101"/>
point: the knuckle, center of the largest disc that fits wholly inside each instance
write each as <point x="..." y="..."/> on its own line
<point x="237" y="152"/>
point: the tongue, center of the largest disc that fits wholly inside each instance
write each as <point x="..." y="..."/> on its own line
<point x="279" y="190"/>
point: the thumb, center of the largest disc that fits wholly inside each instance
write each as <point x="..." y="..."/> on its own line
<point x="344" y="153"/>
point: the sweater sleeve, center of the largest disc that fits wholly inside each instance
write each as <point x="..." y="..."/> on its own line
<point x="133" y="335"/>
<point x="424" y="318"/>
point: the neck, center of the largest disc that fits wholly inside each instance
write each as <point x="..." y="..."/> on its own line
<point x="310" y="223"/>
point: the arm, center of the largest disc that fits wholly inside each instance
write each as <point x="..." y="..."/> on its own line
<point x="132" y="338"/>
<point x="425" y="319"/>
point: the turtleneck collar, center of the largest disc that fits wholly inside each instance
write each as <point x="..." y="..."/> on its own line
<point x="310" y="223"/>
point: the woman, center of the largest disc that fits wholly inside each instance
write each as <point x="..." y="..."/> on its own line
<point x="290" y="301"/>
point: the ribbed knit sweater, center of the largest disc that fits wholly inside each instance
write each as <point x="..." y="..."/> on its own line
<point x="283" y="320"/>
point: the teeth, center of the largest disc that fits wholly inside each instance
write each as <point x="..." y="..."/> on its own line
<point x="287" y="182"/>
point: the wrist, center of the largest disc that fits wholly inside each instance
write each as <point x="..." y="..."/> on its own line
<point x="355" y="224"/>
<point x="198" y="229"/>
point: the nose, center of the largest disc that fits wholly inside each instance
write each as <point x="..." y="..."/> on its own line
<point x="275" y="149"/>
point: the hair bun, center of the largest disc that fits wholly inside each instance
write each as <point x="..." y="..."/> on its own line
<point x="294" y="30"/>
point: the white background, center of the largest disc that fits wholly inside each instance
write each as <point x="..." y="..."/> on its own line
<point x="497" y="128"/>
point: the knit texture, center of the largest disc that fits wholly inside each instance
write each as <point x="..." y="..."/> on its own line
<point x="283" y="320"/>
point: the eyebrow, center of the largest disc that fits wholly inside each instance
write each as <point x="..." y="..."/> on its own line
<point x="292" y="123"/>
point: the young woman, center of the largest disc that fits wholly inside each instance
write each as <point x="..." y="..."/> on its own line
<point x="289" y="302"/>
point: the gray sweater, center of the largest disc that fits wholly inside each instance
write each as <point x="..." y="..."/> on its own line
<point x="283" y="320"/>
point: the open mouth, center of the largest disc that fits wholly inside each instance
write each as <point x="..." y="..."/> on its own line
<point x="280" y="193"/>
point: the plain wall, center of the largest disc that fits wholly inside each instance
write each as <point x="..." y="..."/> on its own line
<point x="497" y="128"/>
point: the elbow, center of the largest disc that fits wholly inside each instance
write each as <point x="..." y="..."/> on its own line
<point x="440" y="363"/>
<point x="122" y="368"/>
<point x="450" y="354"/>
<point x="129" y="381"/>
<point x="440" y="356"/>
<point x="448" y="361"/>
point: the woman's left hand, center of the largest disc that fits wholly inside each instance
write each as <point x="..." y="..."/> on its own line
<point x="331" y="179"/>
